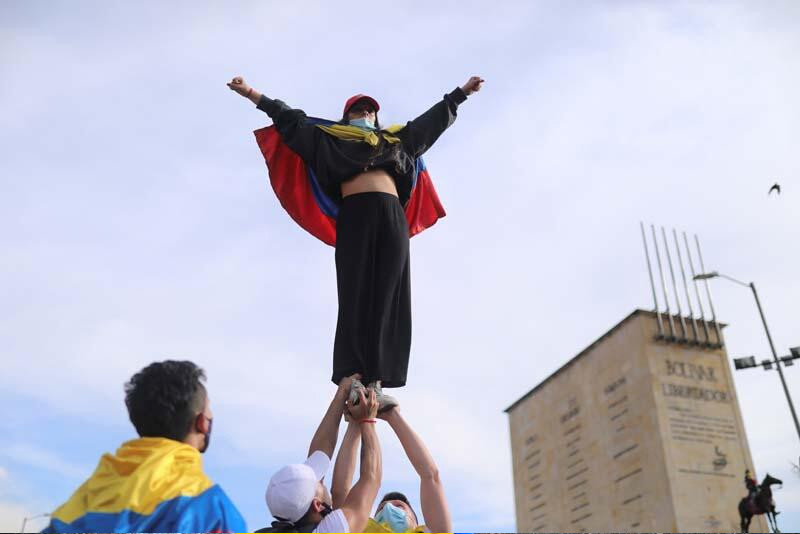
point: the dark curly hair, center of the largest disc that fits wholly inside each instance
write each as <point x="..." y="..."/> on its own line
<point x="164" y="398"/>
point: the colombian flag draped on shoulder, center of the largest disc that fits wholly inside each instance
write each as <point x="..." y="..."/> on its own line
<point x="149" y="485"/>
<point x="304" y="199"/>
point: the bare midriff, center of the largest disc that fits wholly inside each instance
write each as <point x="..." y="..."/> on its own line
<point x="369" y="181"/>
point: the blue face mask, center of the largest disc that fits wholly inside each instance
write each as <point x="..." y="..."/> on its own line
<point x="395" y="517"/>
<point x="363" y="123"/>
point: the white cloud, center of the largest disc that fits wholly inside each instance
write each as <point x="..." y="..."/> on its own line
<point x="12" y="516"/>
<point x="139" y="225"/>
<point x="14" y="508"/>
<point x="36" y="457"/>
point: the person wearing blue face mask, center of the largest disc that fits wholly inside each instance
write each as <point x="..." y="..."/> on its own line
<point x="394" y="512"/>
<point x="365" y="190"/>
<point x="296" y="496"/>
<point x="361" y="111"/>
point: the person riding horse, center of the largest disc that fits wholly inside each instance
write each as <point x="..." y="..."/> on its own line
<point x="752" y="486"/>
<point x="759" y="501"/>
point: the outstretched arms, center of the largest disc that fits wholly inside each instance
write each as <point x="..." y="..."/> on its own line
<point x="345" y="464"/>
<point x="273" y="108"/>
<point x="434" y="503"/>
<point x="431" y="491"/>
<point x="358" y="502"/>
<point x="325" y="437"/>
<point x="418" y="135"/>
<point x="290" y="123"/>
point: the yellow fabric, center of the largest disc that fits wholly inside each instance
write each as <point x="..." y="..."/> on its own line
<point x="354" y="133"/>
<point x="141" y="475"/>
<point x="374" y="526"/>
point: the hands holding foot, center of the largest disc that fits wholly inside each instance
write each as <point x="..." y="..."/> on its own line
<point x="358" y="392"/>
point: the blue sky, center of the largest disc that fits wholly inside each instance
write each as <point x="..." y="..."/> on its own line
<point x="137" y="223"/>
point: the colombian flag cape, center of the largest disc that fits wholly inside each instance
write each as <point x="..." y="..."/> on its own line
<point x="303" y="198"/>
<point x="149" y="485"/>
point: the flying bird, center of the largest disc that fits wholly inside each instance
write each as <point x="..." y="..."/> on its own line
<point x="775" y="187"/>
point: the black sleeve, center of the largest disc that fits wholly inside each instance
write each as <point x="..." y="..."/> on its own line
<point x="419" y="134"/>
<point x="291" y="125"/>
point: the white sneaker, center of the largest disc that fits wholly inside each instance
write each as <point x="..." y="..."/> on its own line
<point x="385" y="402"/>
<point x="355" y="387"/>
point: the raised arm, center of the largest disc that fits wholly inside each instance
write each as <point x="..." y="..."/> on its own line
<point x="271" y="107"/>
<point x="325" y="437"/>
<point x="431" y="491"/>
<point x="240" y="87"/>
<point x="358" y="503"/>
<point x="345" y="464"/>
<point x="290" y="123"/>
<point x="418" y="135"/>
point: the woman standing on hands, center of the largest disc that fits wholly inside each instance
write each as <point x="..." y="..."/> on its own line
<point x="370" y="193"/>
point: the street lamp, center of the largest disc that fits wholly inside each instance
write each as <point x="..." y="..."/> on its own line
<point x="750" y="361"/>
<point x="25" y="520"/>
<point x="745" y="363"/>
<point x="795" y="351"/>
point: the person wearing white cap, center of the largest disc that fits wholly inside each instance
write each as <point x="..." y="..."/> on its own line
<point x="394" y="512"/>
<point x="296" y="496"/>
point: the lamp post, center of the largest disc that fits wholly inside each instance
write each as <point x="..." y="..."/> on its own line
<point x="751" y="285"/>
<point x="25" y="520"/>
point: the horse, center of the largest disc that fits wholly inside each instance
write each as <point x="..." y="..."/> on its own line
<point x="762" y="504"/>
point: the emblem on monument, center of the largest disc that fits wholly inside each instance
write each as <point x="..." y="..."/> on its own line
<point x="720" y="461"/>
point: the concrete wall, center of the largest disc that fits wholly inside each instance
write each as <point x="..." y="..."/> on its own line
<point x="633" y="435"/>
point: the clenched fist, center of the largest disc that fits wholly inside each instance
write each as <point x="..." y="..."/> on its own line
<point x="238" y="85"/>
<point x="472" y="85"/>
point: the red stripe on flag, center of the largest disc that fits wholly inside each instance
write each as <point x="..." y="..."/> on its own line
<point x="287" y="174"/>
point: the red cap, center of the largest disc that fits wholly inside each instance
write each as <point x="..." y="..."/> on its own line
<point x="353" y="99"/>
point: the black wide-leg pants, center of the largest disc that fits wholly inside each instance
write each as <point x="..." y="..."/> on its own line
<point x="373" y="330"/>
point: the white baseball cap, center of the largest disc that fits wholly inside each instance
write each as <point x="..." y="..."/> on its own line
<point x="291" y="490"/>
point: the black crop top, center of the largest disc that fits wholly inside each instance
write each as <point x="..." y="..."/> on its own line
<point x="336" y="160"/>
